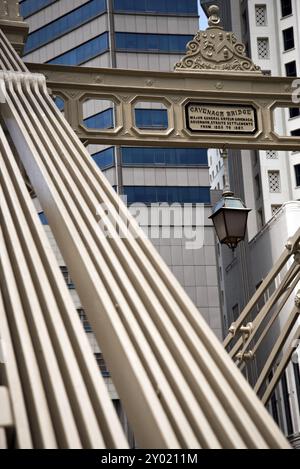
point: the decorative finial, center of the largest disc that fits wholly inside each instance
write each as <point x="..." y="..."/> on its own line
<point x="214" y="16"/>
<point x="215" y="50"/>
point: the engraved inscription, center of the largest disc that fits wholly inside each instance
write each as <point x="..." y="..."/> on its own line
<point x="221" y="118"/>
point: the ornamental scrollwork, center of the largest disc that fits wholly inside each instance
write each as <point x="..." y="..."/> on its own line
<point x="216" y="50"/>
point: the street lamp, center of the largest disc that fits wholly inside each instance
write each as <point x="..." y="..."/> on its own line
<point x="230" y="214"/>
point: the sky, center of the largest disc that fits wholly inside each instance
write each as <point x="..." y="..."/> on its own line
<point x="203" y="19"/>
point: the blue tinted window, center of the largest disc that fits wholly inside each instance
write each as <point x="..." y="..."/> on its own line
<point x="188" y="7"/>
<point x="59" y="103"/>
<point x="104" y="158"/>
<point x="151" y="118"/>
<point x="43" y="218"/>
<point x="62" y="25"/>
<point x="164" y="156"/>
<point x="152" y="42"/>
<point x="84" y="52"/>
<point x="28" y="7"/>
<point x="170" y="194"/>
<point x="101" y="120"/>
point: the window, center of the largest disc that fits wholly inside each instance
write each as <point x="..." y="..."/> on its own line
<point x="151" y="118"/>
<point x="101" y="120"/>
<point x="66" y="275"/>
<point x="164" y="156"/>
<point x="29" y="7"/>
<point x="297" y="174"/>
<point x="104" y="158"/>
<point x="274" y="181"/>
<point x="64" y="24"/>
<point x="263" y="48"/>
<point x="77" y="56"/>
<point x="288" y="39"/>
<point x="171" y="43"/>
<point x="272" y="155"/>
<point x="286" y="8"/>
<point x="59" y="103"/>
<point x="82" y="316"/>
<point x="261" y="15"/>
<point x="295" y="133"/>
<point x="291" y="69"/>
<point x="294" y="112"/>
<point x="169" y="194"/>
<point x="102" y="365"/>
<point x="158" y="6"/>
<point x="43" y="218"/>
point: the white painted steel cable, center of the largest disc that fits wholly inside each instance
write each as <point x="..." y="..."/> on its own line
<point x="11" y="376"/>
<point x="27" y="241"/>
<point x="179" y="387"/>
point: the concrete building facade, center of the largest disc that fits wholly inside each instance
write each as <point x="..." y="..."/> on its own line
<point x="270" y="31"/>
<point x="266" y="180"/>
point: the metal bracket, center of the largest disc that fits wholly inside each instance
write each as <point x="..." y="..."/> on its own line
<point x="246" y="356"/>
<point x="247" y="330"/>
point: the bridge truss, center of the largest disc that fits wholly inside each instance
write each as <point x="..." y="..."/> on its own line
<point x="179" y="387"/>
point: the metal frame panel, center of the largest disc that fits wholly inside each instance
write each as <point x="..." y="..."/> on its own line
<point x="175" y="89"/>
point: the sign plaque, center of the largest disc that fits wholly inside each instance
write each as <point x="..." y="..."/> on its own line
<point x="221" y="118"/>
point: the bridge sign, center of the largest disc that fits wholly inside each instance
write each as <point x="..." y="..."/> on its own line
<point x="219" y="118"/>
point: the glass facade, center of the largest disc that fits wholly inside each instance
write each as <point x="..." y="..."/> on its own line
<point x="178" y="7"/>
<point x="164" y="156"/>
<point x="59" y="103"/>
<point x="170" y="43"/>
<point x="151" y="118"/>
<point x="101" y="120"/>
<point x="144" y="119"/>
<point x="64" y="24"/>
<point x="169" y="194"/>
<point x="29" y="7"/>
<point x="90" y="49"/>
<point x="104" y="158"/>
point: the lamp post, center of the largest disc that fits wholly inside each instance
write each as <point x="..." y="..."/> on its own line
<point x="230" y="214"/>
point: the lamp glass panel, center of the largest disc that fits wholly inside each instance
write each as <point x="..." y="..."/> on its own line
<point x="236" y="221"/>
<point x="220" y="226"/>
